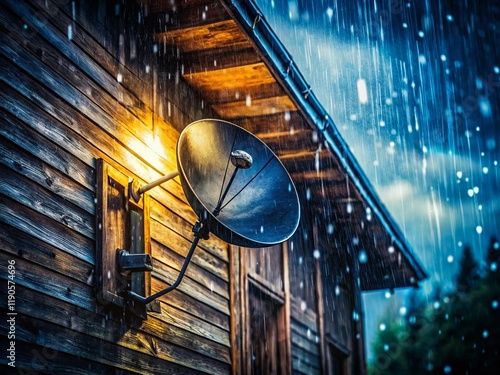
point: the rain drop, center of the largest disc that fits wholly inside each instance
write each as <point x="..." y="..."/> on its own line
<point x="485" y="334"/>
<point x="402" y="311"/>
<point x="362" y="257"/>
<point x="450" y="258"/>
<point x="493" y="266"/>
<point x="479" y="229"/>
<point x="447" y="369"/>
<point x="362" y="91"/>
<point x="494" y="304"/>
<point x="330" y="228"/>
<point x="316" y="254"/>
<point x="382" y="327"/>
<point x="303" y="306"/>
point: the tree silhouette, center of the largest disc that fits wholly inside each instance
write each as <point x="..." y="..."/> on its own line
<point x="454" y="333"/>
<point x="468" y="275"/>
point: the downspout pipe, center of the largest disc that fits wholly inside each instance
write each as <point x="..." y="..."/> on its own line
<point x="281" y="63"/>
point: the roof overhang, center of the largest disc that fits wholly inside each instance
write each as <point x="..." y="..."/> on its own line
<point x="230" y="55"/>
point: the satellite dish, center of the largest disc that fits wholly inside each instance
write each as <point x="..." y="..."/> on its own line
<point x="236" y="184"/>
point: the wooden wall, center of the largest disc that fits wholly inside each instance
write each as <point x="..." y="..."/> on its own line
<point x="78" y="82"/>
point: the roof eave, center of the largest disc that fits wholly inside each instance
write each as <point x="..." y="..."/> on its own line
<point x="278" y="59"/>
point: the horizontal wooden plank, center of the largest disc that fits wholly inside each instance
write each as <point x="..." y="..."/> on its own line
<point x="300" y="367"/>
<point x="190" y="15"/>
<point x="22" y="244"/>
<point x="168" y="275"/>
<point x="229" y="84"/>
<point x="18" y="133"/>
<point x="45" y="229"/>
<point x="280" y="122"/>
<point x="306" y="357"/>
<point x="303" y="331"/>
<point x="134" y="135"/>
<point x="300" y="140"/>
<point x="65" y="126"/>
<point x="306" y="317"/>
<point x="36" y="359"/>
<point x="45" y="175"/>
<point x="304" y="344"/>
<point x="214" y="59"/>
<point x="82" y="50"/>
<point x="172" y="240"/>
<point x="24" y="191"/>
<point x="163" y="255"/>
<point x="156" y="6"/>
<point x="184" y="303"/>
<point x="49" y="283"/>
<point x="214" y="245"/>
<point x="257" y="107"/>
<point x="152" y="337"/>
<point x="193" y="323"/>
<point x="219" y="34"/>
<point x="93" y="348"/>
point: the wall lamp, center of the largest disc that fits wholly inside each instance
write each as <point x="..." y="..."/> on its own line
<point x="235" y="184"/>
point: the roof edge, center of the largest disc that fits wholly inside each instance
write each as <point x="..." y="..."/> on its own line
<point x="275" y="54"/>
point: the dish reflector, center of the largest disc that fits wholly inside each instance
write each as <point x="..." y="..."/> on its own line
<point x="236" y="184"/>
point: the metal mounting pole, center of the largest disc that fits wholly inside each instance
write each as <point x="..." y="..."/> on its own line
<point x="200" y="232"/>
<point x="136" y="194"/>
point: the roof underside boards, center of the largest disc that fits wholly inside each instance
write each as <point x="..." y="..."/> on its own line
<point x="237" y="68"/>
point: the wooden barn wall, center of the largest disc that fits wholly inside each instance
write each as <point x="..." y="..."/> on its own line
<point x="79" y="82"/>
<point x="305" y="335"/>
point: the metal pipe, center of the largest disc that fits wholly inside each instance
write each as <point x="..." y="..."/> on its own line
<point x="136" y="194"/>
<point x="200" y="232"/>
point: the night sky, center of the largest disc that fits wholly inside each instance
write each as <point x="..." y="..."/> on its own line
<point x="414" y="88"/>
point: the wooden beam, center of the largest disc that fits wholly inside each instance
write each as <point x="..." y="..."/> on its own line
<point x="196" y="13"/>
<point x="243" y="84"/>
<point x="279" y="122"/>
<point x="218" y="58"/>
<point x="158" y="6"/>
<point x="257" y="107"/>
<point x="206" y="37"/>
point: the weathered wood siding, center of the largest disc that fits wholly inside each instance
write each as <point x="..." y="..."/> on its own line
<point x="79" y="81"/>
<point x="305" y="337"/>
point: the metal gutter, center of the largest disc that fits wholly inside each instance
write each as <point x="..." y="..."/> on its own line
<point x="251" y="19"/>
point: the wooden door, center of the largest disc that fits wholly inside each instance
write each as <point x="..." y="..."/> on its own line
<point x="264" y="321"/>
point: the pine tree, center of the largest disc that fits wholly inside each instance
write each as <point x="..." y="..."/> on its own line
<point x="468" y="275"/>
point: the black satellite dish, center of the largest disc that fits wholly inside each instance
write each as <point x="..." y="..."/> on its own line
<point x="235" y="184"/>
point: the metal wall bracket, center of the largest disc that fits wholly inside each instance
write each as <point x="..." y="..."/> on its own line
<point x="123" y="244"/>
